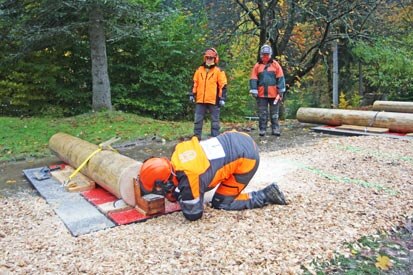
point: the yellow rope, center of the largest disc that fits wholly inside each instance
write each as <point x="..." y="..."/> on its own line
<point x="72" y="185"/>
<point x="84" y="163"/>
<point x="103" y="146"/>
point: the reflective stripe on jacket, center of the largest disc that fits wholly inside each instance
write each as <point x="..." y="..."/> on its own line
<point x="208" y="84"/>
<point x="201" y="166"/>
<point x="267" y="79"/>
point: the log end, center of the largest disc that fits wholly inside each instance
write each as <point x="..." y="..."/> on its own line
<point x="126" y="183"/>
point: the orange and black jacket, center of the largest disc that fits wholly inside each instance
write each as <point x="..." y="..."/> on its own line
<point x="201" y="166"/>
<point x="210" y="85"/>
<point x="268" y="79"/>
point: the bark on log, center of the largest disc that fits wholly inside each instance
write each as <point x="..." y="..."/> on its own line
<point x="113" y="171"/>
<point x="393" y="106"/>
<point x="395" y="122"/>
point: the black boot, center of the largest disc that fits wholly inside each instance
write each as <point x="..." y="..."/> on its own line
<point x="274" y="195"/>
<point x="269" y="195"/>
<point x="276" y="132"/>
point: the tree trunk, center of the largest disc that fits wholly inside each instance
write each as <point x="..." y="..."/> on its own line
<point x="100" y="78"/>
<point x="395" y="122"/>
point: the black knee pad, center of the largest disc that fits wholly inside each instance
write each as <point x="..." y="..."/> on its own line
<point x="221" y="201"/>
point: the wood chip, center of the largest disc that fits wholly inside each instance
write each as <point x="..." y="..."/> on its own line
<point x="338" y="190"/>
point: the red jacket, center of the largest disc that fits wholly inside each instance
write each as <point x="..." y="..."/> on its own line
<point x="268" y="79"/>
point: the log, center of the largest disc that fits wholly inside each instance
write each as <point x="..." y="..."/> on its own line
<point x="393" y="106"/>
<point x="111" y="170"/>
<point x="395" y="122"/>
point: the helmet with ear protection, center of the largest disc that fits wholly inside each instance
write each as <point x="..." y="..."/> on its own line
<point x="157" y="176"/>
<point x="266" y="49"/>
<point x="211" y="52"/>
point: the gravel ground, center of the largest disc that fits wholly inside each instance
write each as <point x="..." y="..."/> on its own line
<point x="338" y="189"/>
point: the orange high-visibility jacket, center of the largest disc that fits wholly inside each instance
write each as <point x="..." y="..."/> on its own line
<point x="267" y="79"/>
<point x="201" y="166"/>
<point x="208" y="84"/>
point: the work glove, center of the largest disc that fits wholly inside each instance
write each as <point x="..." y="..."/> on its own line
<point x="170" y="196"/>
<point x="278" y="99"/>
<point x="221" y="103"/>
<point x="191" y="99"/>
<point x="254" y="92"/>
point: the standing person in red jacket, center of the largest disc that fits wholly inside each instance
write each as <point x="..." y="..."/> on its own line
<point x="227" y="162"/>
<point x="267" y="85"/>
<point x="209" y="92"/>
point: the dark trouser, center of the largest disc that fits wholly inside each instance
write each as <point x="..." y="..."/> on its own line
<point x="228" y="195"/>
<point x="200" y="110"/>
<point x="263" y="104"/>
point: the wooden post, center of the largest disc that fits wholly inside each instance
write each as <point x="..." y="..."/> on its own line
<point x="361" y="89"/>
<point x="109" y="169"/>
<point x="395" y="122"/>
<point x="335" y="73"/>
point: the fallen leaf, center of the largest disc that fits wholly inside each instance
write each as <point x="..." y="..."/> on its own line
<point x="383" y="262"/>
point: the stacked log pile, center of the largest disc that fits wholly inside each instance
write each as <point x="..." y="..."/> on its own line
<point x="400" y="122"/>
<point x="393" y="106"/>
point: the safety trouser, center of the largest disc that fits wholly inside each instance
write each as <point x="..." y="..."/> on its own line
<point x="200" y="111"/>
<point x="263" y="104"/>
<point x="228" y="195"/>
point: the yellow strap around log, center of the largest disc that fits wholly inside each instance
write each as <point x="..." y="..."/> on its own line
<point x="103" y="146"/>
<point x="84" y="163"/>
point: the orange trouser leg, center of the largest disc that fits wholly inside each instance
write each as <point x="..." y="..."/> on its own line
<point x="228" y="195"/>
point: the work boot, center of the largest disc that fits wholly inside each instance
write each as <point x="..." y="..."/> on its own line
<point x="269" y="195"/>
<point x="273" y="195"/>
<point x="262" y="133"/>
<point x="276" y="132"/>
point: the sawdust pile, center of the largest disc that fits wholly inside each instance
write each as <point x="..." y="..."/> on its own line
<point x="339" y="190"/>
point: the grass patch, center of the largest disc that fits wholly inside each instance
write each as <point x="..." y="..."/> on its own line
<point x="21" y="138"/>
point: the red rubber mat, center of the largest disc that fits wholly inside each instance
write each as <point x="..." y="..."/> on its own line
<point x="99" y="196"/>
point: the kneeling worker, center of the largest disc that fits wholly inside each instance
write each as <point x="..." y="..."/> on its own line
<point x="229" y="160"/>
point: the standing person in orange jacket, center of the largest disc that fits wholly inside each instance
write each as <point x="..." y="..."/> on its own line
<point x="228" y="162"/>
<point x="209" y="92"/>
<point x="267" y="85"/>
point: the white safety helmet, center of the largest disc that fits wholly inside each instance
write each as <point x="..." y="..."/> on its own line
<point x="266" y="49"/>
